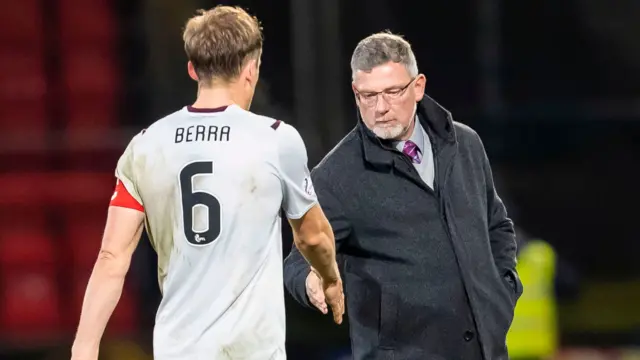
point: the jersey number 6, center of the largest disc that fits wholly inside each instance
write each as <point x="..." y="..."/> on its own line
<point x="193" y="199"/>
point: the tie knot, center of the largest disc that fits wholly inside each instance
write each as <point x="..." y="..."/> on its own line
<point x="411" y="150"/>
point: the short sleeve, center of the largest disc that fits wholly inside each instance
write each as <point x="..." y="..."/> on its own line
<point x="125" y="170"/>
<point x="299" y="195"/>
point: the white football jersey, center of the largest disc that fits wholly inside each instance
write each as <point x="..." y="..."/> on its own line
<point x="212" y="183"/>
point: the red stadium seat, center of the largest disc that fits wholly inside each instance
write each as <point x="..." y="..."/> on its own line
<point x="22" y="76"/>
<point x="24" y="125"/>
<point x="87" y="22"/>
<point x="88" y="159"/>
<point x="83" y="237"/>
<point x="30" y="302"/>
<point x="23" y="107"/>
<point x="16" y="217"/>
<point x="84" y="188"/>
<point x="27" y="246"/>
<point x="73" y="190"/>
<point x="23" y="87"/>
<point x="89" y="73"/>
<point x="85" y="216"/>
<point x="24" y="160"/>
<point x="96" y="115"/>
<point x="21" y="24"/>
<point x="23" y="189"/>
<point x="91" y="93"/>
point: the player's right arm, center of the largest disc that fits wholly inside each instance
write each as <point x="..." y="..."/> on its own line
<point x="121" y="236"/>
<point x="312" y="232"/>
<point x="303" y="283"/>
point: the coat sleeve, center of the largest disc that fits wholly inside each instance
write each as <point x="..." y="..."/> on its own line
<point x="501" y="230"/>
<point x="296" y="267"/>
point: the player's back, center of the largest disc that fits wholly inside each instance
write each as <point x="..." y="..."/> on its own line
<point x="212" y="192"/>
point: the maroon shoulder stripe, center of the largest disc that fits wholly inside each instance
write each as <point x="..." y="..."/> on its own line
<point x="276" y="124"/>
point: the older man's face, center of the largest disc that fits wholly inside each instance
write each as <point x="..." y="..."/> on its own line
<point x="386" y="97"/>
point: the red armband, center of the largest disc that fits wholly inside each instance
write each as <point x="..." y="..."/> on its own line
<point x="122" y="198"/>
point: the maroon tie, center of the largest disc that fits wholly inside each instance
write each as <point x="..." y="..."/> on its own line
<point x="411" y="150"/>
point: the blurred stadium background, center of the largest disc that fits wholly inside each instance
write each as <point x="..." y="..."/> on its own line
<point x="553" y="87"/>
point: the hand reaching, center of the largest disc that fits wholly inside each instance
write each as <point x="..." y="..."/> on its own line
<point x="326" y="294"/>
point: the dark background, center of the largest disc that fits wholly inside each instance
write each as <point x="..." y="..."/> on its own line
<point x="553" y="88"/>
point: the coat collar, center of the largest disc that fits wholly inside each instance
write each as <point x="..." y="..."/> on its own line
<point x="435" y="120"/>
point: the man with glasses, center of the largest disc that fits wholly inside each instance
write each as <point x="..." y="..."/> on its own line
<point x="426" y="247"/>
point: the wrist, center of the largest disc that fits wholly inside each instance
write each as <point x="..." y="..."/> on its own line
<point x="85" y="350"/>
<point x="333" y="277"/>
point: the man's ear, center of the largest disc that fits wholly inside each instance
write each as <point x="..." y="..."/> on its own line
<point x="419" y="86"/>
<point x="355" y="93"/>
<point x="250" y="71"/>
<point x="192" y="71"/>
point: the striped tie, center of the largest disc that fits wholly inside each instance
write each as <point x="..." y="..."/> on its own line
<point x="411" y="150"/>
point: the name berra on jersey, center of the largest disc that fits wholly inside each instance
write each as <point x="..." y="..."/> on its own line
<point x="202" y="133"/>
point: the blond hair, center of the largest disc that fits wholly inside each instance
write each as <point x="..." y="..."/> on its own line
<point x="220" y="41"/>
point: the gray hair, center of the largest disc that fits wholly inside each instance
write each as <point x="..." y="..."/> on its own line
<point x="378" y="49"/>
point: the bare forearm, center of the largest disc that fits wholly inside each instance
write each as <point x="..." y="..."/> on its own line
<point x="320" y="252"/>
<point x="102" y="296"/>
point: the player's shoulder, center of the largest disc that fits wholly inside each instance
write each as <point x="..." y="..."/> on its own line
<point x="157" y="126"/>
<point x="258" y="121"/>
<point x="285" y="132"/>
<point x="288" y="140"/>
<point x="281" y="130"/>
<point x="166" y="121"/>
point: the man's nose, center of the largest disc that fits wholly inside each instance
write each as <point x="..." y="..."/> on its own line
<point x="382" y="106"/>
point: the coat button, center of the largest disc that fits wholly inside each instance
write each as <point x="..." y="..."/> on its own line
<point x="468" y="335"/>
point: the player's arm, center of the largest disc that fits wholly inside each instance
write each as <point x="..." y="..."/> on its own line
<point x="121" y="236"/>
<point x="312" y="232"/>
<point x="313" y="237"/>
<point x="303" y="284"/>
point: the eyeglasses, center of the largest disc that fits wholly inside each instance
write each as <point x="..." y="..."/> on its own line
<point x="390" y="95"/>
